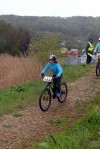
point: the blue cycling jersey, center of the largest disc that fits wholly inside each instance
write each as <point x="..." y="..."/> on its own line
<point x="97" y="48"/>
<point x="55" y="68"/>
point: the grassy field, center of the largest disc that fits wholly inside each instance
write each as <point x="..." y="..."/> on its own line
<point x="72" y="73"/>
<point x="23" y="95"/>
<point x="85" y="134"/>
<point x="17" y="70"/>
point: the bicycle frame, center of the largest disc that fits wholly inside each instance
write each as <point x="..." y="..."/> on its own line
<point x="98" y="62"/>
<point x="46" y="94"/>
<point x="99" y="59"/>
<point x="50" y="85"/>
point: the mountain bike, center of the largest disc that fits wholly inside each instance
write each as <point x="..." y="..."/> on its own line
<point x="46" y="94"/>
<point x="98" y="66"/>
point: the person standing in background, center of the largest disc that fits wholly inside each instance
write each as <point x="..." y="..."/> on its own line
<point x="89" y="50"/>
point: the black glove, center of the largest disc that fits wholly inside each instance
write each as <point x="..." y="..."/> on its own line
<point x="42" y="75"/>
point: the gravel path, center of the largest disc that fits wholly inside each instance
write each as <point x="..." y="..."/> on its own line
<point x="32" y="124"/>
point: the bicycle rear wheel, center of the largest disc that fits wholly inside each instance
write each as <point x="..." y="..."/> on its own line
<point x="64" y="92"/>
<point x="45" y="100"/>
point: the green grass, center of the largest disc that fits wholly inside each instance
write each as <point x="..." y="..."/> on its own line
<point x="82" y="135"/>
<point x="72" y="73"/>
<point x="23" y="95"/>
<point x="58" y="122"/>
<point x="20" y="97"/>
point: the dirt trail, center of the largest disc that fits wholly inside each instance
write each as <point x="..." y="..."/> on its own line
<point x="33" y="123"/>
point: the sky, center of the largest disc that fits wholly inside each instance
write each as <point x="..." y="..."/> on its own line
<point x="62" y="8"/>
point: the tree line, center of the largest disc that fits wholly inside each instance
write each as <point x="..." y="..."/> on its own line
<point x="74" y="30"/>
<point x="13" y="40"/>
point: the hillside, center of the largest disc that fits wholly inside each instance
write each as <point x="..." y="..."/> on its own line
<point x="77" y="29"/>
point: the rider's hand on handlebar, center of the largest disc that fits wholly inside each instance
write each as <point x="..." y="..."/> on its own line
<point x="41" y="75"/>
<point x="56" y="77"/>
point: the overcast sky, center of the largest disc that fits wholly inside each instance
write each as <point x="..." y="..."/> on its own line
<point x="63" y="8"/>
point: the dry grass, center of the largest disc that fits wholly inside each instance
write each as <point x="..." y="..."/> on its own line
<point x="14" y="70"/>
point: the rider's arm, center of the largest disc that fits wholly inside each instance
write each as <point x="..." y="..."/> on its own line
<point x="95" y="50"/>
<point x="45" y="69"/>
<point x="60" y="70"/>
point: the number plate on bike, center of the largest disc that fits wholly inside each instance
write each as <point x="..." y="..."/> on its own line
<point x="47" y="79"/>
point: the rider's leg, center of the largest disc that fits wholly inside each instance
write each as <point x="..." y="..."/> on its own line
<point x="54" y="88"/>
<point x="97" y="60"/>
<point x="58" y="85"/>
<point x="98" y="63"/>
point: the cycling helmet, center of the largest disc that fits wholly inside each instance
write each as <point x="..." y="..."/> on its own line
<point x="52" y="57"/>
<point x="99" y="39"/>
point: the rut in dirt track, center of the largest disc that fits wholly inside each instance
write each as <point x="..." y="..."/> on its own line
<point x="33" y="123"/>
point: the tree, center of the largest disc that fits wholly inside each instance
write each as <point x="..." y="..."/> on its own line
<point x="13" y="40"/>
<point x="45" y="46"/>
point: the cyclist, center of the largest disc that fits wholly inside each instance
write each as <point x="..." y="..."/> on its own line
<point x="57" y="71"/>
<point x="97" y="50"/>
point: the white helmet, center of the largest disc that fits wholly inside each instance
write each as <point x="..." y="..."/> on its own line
<point x="52" y="57"/>
<point x="99" y="39"/>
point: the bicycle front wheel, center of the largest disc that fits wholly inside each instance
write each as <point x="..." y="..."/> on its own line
<point x="64" y="92"/>
<point x="45" y="100"/>
<point x="97" y="71"/>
